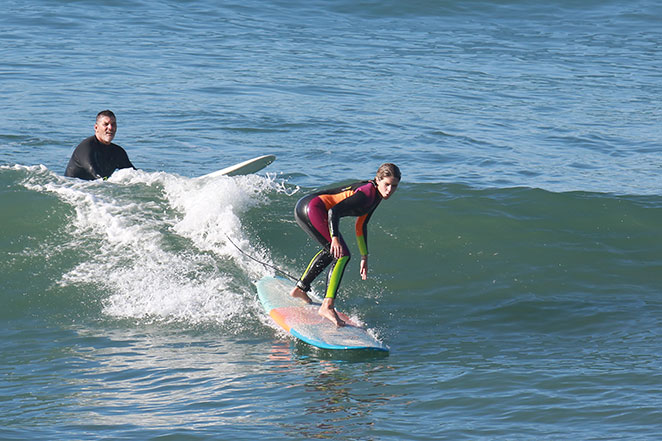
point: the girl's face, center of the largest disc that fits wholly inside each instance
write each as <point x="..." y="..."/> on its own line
<point x="387" y="186"/>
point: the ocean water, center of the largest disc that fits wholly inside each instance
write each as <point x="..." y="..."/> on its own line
<point x="516" y="275"/>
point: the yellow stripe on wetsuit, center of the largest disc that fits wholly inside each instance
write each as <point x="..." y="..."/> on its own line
<point x="336" y="275"/>
<point x="310" y="264"/>
<point x="360" y="237"/>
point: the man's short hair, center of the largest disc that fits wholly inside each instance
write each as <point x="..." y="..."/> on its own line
<point x="107" y="113"/>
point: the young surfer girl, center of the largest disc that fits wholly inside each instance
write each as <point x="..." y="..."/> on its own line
<point x="319" y="214"/>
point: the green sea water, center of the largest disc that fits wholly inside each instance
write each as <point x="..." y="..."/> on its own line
<point x="524" y="310"/>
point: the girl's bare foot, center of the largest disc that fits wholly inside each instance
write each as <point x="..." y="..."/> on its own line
<point x="300" y="294"/>
<point x="329" y="312"/>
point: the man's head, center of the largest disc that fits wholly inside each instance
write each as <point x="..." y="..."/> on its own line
<point x="105" y="126"/>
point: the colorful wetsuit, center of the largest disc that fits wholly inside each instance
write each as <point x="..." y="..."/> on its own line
<point x="319" y="215"/>
<point x="93" y="160"/>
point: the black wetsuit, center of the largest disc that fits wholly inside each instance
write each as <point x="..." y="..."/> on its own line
<point x="93" y="160"/>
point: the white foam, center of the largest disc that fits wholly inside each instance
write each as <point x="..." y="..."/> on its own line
<point x="155" y="245"/>
<point x="28" y="168"/>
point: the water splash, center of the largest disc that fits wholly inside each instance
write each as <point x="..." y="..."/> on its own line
<point x="155" y="244"/>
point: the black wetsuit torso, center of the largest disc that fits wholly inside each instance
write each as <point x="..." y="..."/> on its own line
<point x="93" y="160"/>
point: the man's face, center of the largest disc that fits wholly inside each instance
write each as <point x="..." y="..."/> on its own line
<point x="105" y="129"/>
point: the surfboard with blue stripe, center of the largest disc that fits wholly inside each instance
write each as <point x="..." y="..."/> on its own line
<point x="303" y="322"/>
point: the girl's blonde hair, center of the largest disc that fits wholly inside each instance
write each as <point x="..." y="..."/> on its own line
<point x="388" y="169"/>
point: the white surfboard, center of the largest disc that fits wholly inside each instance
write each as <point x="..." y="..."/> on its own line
<point x="243" y="168"/>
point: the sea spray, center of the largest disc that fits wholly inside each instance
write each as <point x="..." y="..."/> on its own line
<point x="155" y="247"/>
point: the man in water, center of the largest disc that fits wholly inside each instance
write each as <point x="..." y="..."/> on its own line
<point x="97" y="157"/>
